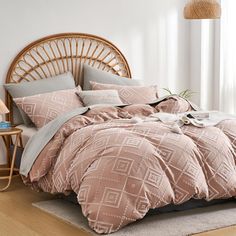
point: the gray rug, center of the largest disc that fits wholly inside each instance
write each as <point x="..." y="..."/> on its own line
<point x="168" y="224"/>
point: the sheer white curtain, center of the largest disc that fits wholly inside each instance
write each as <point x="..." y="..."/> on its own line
<point x="228" y="57"/>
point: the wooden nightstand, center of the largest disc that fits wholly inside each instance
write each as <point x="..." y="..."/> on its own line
<point x="7" y="137"/>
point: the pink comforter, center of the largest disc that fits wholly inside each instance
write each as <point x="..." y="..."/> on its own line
<point x="121" y="170"/>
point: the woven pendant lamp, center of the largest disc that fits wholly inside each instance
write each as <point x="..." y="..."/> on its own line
<point x="202" y="9"/>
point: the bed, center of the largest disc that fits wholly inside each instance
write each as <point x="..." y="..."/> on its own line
<point x="28" y="132"/>
<point x="120" y="160"/>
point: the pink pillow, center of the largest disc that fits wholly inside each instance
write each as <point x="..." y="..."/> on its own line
<point x="174" y="104"/>
<point x="43" y="108"/>
<point x="130" y="94"/>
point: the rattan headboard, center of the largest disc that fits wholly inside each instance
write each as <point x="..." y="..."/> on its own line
<point x="56" y="54"/>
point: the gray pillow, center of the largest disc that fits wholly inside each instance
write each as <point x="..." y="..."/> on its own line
<point x="24" y="89"/>
<point x="94" y="97"/>
<point x="99" y="76"/>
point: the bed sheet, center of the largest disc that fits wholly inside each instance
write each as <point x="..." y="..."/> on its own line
<point x="28" y="132"/>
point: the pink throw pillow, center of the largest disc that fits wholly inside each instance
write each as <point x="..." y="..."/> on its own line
<point x="43" y="108"/>
<point x="174" y="104"/>
<point x="130" y="94"/>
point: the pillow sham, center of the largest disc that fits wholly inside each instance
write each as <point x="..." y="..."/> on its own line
<point x="90" y="97"/>
<point x="24" y="89"/>
<point x="99" y="76"/>
<point x="131" y="94"/>
<point x="43" y="108"/>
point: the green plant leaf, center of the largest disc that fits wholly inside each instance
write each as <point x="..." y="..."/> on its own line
<point x="186" y="94"/>
<point x="168" y="91"/>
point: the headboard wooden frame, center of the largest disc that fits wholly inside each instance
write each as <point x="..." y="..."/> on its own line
<point x="59" y="53"/>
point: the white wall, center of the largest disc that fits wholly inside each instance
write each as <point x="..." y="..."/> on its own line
<point x="151" y="33"/>
<point x="205" y="63"/>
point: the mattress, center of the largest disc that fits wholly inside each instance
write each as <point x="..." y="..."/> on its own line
<point x="28" y="132"/>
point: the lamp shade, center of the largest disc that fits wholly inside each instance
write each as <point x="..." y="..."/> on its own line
<point x="202" y="9"/>
<point x="3" y="108"/>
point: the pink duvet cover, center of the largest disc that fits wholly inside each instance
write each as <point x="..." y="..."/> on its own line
<point x="121" y="170"/>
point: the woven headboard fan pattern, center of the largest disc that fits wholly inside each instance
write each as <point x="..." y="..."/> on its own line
<point x="57" y="54"/>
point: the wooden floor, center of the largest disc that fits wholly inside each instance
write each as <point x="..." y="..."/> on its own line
<point x="19" y="218"/>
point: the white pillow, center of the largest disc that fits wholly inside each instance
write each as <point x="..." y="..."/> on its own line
<point x="94" y="97"/>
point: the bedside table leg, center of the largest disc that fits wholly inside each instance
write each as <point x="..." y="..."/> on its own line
<point x="12" y="163"/>
<point x="7" y="143"/>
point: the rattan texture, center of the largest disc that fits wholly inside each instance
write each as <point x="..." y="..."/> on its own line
<point x="202" y="9"/>
<point x="60" y="53"/>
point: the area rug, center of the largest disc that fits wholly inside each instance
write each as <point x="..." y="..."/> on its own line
<point x="169" y="224"/>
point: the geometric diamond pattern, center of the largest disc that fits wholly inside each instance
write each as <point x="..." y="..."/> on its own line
<point x="122" y="165"/>
<point x="120" y="170"/>
<point x="143" y="205"/>
<point x="83" y="193"/>
<point x="43" y="108"/>
<point x="29" y="108"/>
<point x="111" y="197"/>
<point x="153" y="177"/>
<point x="130" y="94"/>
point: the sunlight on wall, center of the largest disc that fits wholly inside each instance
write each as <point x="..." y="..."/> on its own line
<point x="228" y="64"/>
<point x="137" y="55"/>
<point x="157" y="49"/>
<point x="161" y="41"/>
<point x="172" y="46"/>
<point x="207" y="60"/>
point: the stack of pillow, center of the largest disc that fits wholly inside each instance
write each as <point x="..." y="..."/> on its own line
<point x="122" y="90"/>
<point x="39" y="102"/>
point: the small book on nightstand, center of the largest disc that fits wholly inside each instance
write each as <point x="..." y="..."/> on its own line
<point x="5" y="125"/>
